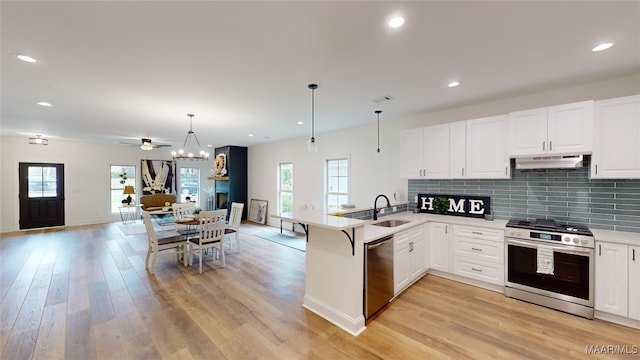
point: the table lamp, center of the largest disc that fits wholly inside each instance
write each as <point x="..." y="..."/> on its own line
<point x="128" y="190"/>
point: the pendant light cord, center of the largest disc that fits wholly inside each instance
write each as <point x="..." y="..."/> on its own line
<point x="313" y="87"/>
<point x="378" y="112"/>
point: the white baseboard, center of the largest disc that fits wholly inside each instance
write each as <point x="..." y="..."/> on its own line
<point x="353" y="326"/>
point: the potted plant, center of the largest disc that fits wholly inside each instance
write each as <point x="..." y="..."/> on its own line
<point x="441" y="205"/>
<point x="196" y="213"/>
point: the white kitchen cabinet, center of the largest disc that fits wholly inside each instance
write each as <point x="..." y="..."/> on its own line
<point x="478" y="253"/>
<point x="457" y="150"/>
<point x="425" y="152"/>
<point x="436" y="152"/>
<point x="407" y="258"/>
<point x="486" y="148"/>
<point x="440" y="246"/>
<point x="612" y="274"/>
<point x="412" y="153"/>
<point x="555" y="130"/>
<point x="634" y="282"/>
<point x="616" y="148"/>
<point x="426" y="248"/>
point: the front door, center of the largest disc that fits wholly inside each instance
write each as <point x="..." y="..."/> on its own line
<point x="41" y="195"/>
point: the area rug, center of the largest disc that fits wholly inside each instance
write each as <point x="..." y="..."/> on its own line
<point x="137" y="227"/>
<point x="298" y="243"/>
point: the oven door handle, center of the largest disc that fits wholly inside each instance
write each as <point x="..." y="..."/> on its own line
<point x="555" y="248"/>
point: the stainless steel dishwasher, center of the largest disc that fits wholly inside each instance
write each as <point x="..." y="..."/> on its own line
<point x="378" y="275"/>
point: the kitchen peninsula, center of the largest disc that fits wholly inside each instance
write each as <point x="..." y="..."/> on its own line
<point x="334" y="267"/>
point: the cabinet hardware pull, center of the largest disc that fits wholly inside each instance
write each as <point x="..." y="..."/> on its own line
<point x="505" y="170"/>
<point x="633" y="252"/>
<point x="476" y="249"/>
<point x="462" y="171"/>
<point x="411" y="246"/>
<point x="596" y="168"/>
<point x="478" y="270"/>
<point x="600" y="250"/>
<point x="476" y="232"/>
<point x="550" y="145"/>
<point x="446" y="229"/>
<point x="543" y="145"/>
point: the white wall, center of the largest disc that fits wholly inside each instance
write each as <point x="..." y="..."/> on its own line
<point x="370" y="177"/>
<point x="87" y="174"/>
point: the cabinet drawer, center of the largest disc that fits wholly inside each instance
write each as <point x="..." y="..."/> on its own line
<point x="479" y="233"/>
<point x="486" y="271"/>
<point x="481" y="249"/>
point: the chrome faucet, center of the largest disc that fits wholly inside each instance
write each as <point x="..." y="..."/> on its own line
<point x="375" y="209"/>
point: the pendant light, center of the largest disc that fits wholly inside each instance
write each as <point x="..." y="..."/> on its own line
<point x="312" y="145"/>
<point x="189" y="151"/>
<point x="378" y="153"/>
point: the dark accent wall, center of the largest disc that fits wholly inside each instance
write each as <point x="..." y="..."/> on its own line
<point x="236" y="186"/>
<point x="568" y="196"/>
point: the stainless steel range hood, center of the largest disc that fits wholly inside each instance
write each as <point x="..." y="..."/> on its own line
<point x="549" y="162"/>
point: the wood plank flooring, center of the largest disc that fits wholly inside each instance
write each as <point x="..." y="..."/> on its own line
<point x="84" y="293"/>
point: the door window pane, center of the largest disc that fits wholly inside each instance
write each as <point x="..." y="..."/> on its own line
<point x="42" y="181"/>
<point x="337" y="182"/>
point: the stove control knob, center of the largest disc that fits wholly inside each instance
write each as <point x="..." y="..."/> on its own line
<point x="566" y="239"/>
<point x="576" y="240"/>
<point x="584" y="241"/>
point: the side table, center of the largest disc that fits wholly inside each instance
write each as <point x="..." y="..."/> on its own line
<point x="129" y="213"/>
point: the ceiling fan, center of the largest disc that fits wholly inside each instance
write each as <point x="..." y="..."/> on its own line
<point x="145" y="144"/>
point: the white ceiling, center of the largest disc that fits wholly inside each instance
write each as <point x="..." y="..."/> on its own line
<point x="120" y="71"/>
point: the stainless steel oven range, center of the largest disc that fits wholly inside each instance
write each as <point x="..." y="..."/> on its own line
<point x="550" y="264"/>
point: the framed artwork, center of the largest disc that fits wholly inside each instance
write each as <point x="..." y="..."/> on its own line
<point x="158" y="176"/>
<point x="258" y="211"/>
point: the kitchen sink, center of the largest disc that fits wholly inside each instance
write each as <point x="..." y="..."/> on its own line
<point x="390" y="223"/>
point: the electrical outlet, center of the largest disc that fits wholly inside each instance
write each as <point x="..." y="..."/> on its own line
<point x="395" y="208"/>
<point x="381" y="211"/>
<point x="416" y="199"/>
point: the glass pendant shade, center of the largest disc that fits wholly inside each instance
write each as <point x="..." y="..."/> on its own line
<point x="312" y="145"/>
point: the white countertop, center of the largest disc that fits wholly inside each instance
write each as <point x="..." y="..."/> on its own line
<point x="318" y="218"/>
<point x="619" y="237"/>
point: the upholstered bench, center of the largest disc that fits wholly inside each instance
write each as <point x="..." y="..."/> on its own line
<point x="156" y="201"/>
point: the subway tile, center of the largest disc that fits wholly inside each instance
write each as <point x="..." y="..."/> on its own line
<point x="629" y="229"/>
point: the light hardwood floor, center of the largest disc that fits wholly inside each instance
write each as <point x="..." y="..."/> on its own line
<point x="83" y="293"/>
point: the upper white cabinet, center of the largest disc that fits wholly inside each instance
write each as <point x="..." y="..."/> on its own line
<point x="486" y="148"/>
<point x="472" y="149"/>
<point x="425" y="152"/>
<point x="616" y="148"/>
<point x="563" y="129"/>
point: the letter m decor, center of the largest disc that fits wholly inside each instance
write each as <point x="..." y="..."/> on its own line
<point x="459" y="205"/>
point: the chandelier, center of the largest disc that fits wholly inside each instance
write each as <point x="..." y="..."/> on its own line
<point x="188" y="151"/>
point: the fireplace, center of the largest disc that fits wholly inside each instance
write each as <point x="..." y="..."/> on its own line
<point x="222" y="199"/>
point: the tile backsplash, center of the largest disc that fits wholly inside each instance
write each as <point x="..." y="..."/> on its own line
<point x="567" y="196"/>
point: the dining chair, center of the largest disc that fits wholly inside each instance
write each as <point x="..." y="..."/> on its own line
<point x="233" y="226"/>
<point x="180" y="211"/>
<point x="210" y="236"/>
<point x="156" y="245"/>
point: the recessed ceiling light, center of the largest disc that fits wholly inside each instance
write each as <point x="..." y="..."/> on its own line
<point x="396" y="22"/>
<point x="250" y="135"/>
<point x="209" y="145"/>
<point x="44" y="103"/>
<point x="300" y="122"/>
<point x="453" y="84"/>
<point x="603" y="46"/>
<point x="26" y="58"/>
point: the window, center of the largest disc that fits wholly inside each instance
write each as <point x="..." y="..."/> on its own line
<point x="42" y="181"/>
<point x="337" y="191"/>
<point x="285" y="187"/>
<point x="189" y="184"/>
<point x="121" y="175"/>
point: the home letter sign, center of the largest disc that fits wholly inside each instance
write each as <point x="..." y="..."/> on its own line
<point x="459" y="205"/>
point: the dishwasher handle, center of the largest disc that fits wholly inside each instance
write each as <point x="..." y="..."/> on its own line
<point x="379" y="242"/>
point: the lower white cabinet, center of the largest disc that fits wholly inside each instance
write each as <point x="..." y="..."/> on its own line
<point x="440" y="246"/>
<point x="618" y="279"/>
<point x="407" y="258"/>
<point x="478" y="253"/>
